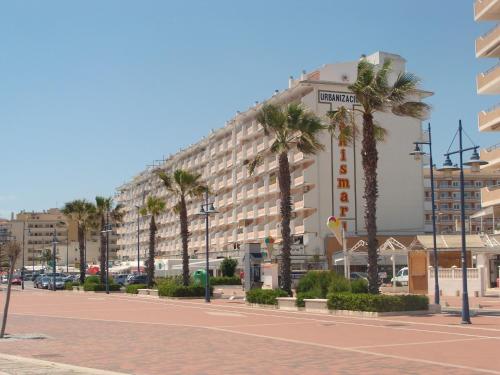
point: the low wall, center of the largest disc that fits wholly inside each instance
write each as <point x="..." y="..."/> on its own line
<point x="450" y="281"/>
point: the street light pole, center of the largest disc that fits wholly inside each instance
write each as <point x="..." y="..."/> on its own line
<point x="417" y="153"/>
<point x="205" y="210"/>
<point x="22" y="263"/>
<point x="138" y="243"/>
<point x="54" y="243"/>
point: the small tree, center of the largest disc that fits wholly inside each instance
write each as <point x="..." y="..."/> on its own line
<point x="12" y="251"/>
<point x="228" y="267"/>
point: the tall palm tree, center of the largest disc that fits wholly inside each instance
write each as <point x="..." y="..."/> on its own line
<point x="292" y="127"/>
<point x="154" y="206"/>
<point x="83" y="213"/>
<point x="106" y="213"/>
<point x="183" y="184"/>
<point x="375" y="94"/>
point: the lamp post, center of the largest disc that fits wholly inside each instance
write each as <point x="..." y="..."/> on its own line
<point x="54" y="243"/>
<point x="206" y="210"/>
<point x="474" y="162"/>
<point x="138" y="242"/>
<point x="22" y="263"/>
<point x="107" y="229"/>
<point x="417" y="153"/>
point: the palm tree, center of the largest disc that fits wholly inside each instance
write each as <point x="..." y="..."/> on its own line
<point x="375" y="94"/>
<point x="106" y="212"/>
<point x="292" y="128"/>
<point x="83" y="213"/>
<point x="154" y="207"/>
<point x="183" y="184"/>
<point x="12" y="251"/>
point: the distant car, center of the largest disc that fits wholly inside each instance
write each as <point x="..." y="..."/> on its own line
<point x="42" y="282"/>
<point x="16" y="280"/>
<point x="59" y="283"/>
<point x="4" y="279"/>
<point x="121" y="279"/>
<point x="34" y="276"/>
<point x="359" y="275"/>
<point x="401" y="276"/>
<point x="138" y="279"/>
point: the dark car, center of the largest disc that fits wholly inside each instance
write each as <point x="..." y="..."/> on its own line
<point x="42" y="282"/>
<point x="121" y="279"/>
<point x="16" y="280"/>
<point x="359" y="275"/>
<point x="138" y="279"/>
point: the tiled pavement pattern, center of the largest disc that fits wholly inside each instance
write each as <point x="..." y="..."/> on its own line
<point x="145" y="335"/>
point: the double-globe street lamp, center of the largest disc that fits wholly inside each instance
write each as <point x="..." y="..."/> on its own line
<point x="54" y="244"/>
<point x="418" y="153"/>
<point x="22" y="263"/>
<point x="474" y="162"/>
<point x="206" y="210"/>
<point x="107" y="229"/>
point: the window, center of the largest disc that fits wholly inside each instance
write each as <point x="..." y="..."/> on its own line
<point x="456" y="206"/>
<point x="455" y="183"/>
<point x="478" y="184"/>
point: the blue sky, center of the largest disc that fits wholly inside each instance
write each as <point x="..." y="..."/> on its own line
<point x="92" y="91"/>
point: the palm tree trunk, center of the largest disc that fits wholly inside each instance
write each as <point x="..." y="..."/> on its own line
<point x="370" y="160"/>
<point x="184" y="238"/>
<point x="286" y="213"/>
<point x="150" y="267"/>
<point x="7" y="298"/>
<point x="81" y="247"/>
<point x="102" y="252"/>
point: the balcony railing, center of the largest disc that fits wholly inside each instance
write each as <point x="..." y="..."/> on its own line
<point x="488" y="81"/>
<point x="489" y="120"/>
<point x="488" y="43"/>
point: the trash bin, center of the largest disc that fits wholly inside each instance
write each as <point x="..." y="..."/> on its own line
<point x="200" y="277"/>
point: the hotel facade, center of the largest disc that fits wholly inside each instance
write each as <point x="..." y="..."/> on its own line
<point x="325" y="184"/>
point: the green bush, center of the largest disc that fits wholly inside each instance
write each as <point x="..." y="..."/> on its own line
<point x="228" y="267"/>
<point x="377" y="302"/>
<point x="134" y="288"/>
<point x="92" y="287"/>
<point x="265" y="296"/>
<point x="68" y="285"/>
<point x="92" y="280"/>
<point x="225" y="280"/>
<point x="359" y="286"/>
<point x="171" y="289"/>
<point x="320" y="283"/>
<point x="299" y="302"/>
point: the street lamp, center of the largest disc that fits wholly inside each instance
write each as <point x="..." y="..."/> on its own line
<point x="138" y="241"/>
<point x="22" y="263"/>
<point x="107" y="229"/>
<point x="54" y="243"/>
<point x="475" y="162"/>
<point x="418" y="153"/>
<point x="206" y="210"/>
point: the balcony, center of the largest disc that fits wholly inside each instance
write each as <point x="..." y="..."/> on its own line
<point x="492" y="156"/>
<point x="486" y="10"/>
<point x="489" y="81"/>
<point x="490" y="196"/>
<point x="488" y="44"/>
<point x="489" y="120"/>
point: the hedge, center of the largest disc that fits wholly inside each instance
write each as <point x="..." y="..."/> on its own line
<point x="225" y="280"/>
<point x="359" y="286"/>
<point x="134" y="288"/>
<point x="68" y="285"/>
<point x="174" y="290"/>
<point x="299" y="302"/>
<point x="377" y="302"/>
<point x="92" y="287"/>
<point x="265" y="296"/>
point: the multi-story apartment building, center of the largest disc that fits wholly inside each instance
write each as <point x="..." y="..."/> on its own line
<point x="447" y="200"/>
<point x="328" y="183"/>
<point x="488" y="83"/>
<point x="39" y="229"/>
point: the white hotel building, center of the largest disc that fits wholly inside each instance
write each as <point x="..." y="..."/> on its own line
<point x="249" y="205"/>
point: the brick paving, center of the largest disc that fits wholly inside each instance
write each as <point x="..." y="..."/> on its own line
<point x="146" y="335"/>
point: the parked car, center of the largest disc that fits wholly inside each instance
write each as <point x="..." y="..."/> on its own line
<point x="59" y="282"/>
<point x="359" y="275"/>
<point x="121" y="279"/>
<point x="34" y="276"/>
<point x="16" y="280"/>
<point x="401" y="276"/>
<point x="42" y="282"/>
<point x="4" y="279"/>
<point x="138" y="279"/>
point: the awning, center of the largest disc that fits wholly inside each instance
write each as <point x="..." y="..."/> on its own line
<point x="487" y="213"/>
<point x="448" y="241"/>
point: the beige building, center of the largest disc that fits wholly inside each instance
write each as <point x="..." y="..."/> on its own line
<point x="249" y="205"/>
<point x="488" y="83"/>
<point x="447" y="200"/>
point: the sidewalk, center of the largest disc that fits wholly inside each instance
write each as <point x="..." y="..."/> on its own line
<point x="14" y="365"/>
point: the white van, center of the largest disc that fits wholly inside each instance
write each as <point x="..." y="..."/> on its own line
<point x="401" y="276"/>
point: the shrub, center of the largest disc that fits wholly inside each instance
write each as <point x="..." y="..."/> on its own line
<point x="359" y="286"/>
<point x="134" y="288"/>
<point x="303" y="295"/>
<point x="377" y="302"/>
<point x="171" y="289"/>
<point x="92" y="280"/>
<point x="265" y="296"/>
<point x="228" y="267"/>
<point x="225" y="280"/>
<point x="320" y="283"/>
<point x="92" y="287"/>
<point x="68" y="285"/>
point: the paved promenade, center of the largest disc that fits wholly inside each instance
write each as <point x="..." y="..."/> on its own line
<point x="145" y="335"/>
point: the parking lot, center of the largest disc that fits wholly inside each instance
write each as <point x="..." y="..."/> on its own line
<point x="146" y="335"/>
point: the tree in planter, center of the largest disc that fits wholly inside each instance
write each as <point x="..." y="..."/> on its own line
<point x="154" y="206"/>
<point x="182" y="185"/>
<point x="83" y="213"/>
<point x="228" y="267"/>
<point x="106" y="212"/>
<point x="375" y="94"/>
<point x="12" y="251"/>
<point x="292" y="128"/>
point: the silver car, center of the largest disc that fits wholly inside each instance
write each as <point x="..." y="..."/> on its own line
<point x="59" y="283"/>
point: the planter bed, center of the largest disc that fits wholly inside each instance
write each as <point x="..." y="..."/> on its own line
<point x="316" y="305"/>
<point x="181" y="298"/>
<point x="147" y="292"/>
<point x="287" y="303"/>
<point x="263" y="306"/>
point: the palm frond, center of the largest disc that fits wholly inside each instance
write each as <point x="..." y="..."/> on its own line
<point x="379" y="133"/>
<point x="405" y="83"/>
<point x="253" y="163"/>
